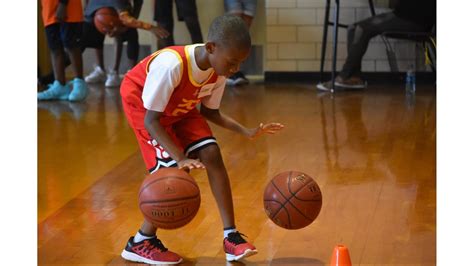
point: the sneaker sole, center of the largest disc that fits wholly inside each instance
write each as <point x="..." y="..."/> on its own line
<point x="321" y="86"/>
<point x="241" y="81"/>
<point x="247" y="253"/>
<point x="136" y="258"/>
<point x="342" y="85"/>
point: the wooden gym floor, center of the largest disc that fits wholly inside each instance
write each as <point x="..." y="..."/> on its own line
<point x="372" y="152"/>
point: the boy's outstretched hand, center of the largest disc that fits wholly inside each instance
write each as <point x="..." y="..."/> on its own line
<point x="159" y="32"/>
<point x="270" y="128"/>
<point x="190" y="164"/>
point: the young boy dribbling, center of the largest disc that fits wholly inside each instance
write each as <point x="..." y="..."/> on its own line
<point x="159" y="97"/>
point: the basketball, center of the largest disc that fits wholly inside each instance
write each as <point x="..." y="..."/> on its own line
<point x="292" y="200"/>
<point x="169" y="198"/>
<point x="106" y="18"/>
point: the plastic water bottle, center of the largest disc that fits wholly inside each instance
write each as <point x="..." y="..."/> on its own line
<point x="410" y="88"/>
<point x="410" y="81"/>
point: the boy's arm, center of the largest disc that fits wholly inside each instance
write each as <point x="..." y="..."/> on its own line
<point x="131" y="22"/>
<point x="158" y="133"/>
<point x="61" y="10"/>
<point x="220" y="119"/>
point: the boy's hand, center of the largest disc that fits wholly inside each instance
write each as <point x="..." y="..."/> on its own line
<point x="61" y="12"/>
<point x="159" y="32"/>
<point x="270" y="128"/>
<point x="190" y="164"/>
<point x="117" y="30"/>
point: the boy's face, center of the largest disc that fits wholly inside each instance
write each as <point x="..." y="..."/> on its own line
<point x="226" y="60"/>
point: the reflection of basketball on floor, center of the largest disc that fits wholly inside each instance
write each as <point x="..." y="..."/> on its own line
<point x="169" y="198"/>
<point x="292" y="200"/>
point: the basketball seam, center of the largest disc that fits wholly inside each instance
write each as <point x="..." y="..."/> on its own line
<point x="161" y="201"/>
<point x="315" y="200"/>
<point x="288" y="200"/>
<point x="174" y="221"/>
<point x="154" y="181"/>
<point x="287" y="214"/>
<point x="294" y="196"/>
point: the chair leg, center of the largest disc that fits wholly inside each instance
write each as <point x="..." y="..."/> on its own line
<point x="334" y="44"/>
<point x="325" y="38"/>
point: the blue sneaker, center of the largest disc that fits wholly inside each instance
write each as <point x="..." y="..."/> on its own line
<point x="55" y="91"/>
<point x="79" y="90"/>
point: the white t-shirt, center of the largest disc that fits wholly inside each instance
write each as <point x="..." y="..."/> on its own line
<point x="164" y="75"/>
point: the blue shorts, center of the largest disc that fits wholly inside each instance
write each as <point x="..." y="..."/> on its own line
<point x="246" y="7"/>
<point x="67" y="34"/>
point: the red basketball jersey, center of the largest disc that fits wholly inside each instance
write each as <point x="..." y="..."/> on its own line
<point x="184" y="97"/>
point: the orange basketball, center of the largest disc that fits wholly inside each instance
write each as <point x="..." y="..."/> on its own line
<point x="169" y="198"/>
<point x="106" y="18"/>
<point x="292" y="200"/>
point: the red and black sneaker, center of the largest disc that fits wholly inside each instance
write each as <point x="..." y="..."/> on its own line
<point x="236" y="247"/>
<point x="150" y="251"/>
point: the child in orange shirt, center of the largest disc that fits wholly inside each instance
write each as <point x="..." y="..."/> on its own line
<point x="63" y="25"/>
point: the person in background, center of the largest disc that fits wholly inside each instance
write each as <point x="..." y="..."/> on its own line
<point x="408" y="16"/>
<point x="131" y="37"/>
<point x="63" y="26"/>
<point x="92" y="38"/>
<point x="187" y="12"/>
<point x="246" y="10"/>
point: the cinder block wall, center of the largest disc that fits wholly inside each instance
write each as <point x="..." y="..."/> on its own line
<point x="294" y="36"/>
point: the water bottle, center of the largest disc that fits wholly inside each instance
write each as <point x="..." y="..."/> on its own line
<point x="410" y="88"/>
<point x="410" y="81"/>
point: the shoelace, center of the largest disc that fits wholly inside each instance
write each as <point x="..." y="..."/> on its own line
<point x="236" y="238"/>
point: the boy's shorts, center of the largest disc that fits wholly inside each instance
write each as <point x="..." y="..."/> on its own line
<point x="67" y="34"/>
<point x="91" y="37"/>
<point x="247" y="7"/>
<point x="189" y="132"/>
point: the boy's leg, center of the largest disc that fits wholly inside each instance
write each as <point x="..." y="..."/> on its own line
<point x="211" y="157"/>
<point x="92" y="38"/>
<point x="58" y="90"/>
<point x="71" y="36"/>
<point x="144" y="246"/>
<point x="194" y="133"/>
<point x="113" y="79"/>
<point x="235" y="246"/>
<point x="57" y="58"/>
<point x="118" y="41"/>
<point x="53" y="34"/>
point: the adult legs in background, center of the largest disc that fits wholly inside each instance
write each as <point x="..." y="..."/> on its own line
<point x="187" y="12"/>
<point x="359" y="35"/>
<point x="131" y="37"/>
<point x="245" y="9"/>
<point x="164" y="17"/>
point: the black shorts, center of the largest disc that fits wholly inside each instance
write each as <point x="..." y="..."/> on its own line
<point x="67" y="34"/>
<point x="91" y="37"/>
<point x="185" y="8"/>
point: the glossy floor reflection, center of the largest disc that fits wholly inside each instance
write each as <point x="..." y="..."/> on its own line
<point x="372" y="152"/>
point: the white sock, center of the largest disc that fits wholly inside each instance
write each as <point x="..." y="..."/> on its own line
<point x="140" y="236"/>
<point x="228" y="231"/>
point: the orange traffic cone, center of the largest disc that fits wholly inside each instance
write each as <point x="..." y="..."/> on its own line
<point x="340" y="256"/>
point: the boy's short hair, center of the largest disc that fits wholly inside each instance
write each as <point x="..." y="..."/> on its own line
<point x="229" y="30"/>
